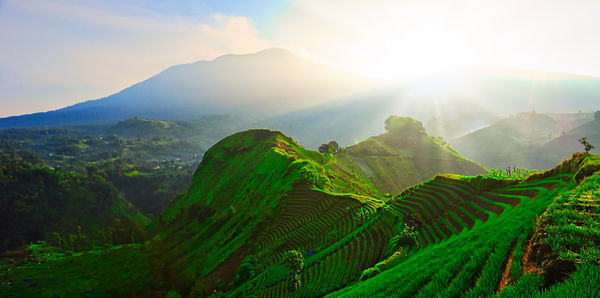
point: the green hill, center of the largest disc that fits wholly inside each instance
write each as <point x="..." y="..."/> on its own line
<point x="498" y="219"/>
<point x="517" y="140"/>
<point x="560" y="147"/>
<point x="257" y="195"/>
<point x="403" y="156"/>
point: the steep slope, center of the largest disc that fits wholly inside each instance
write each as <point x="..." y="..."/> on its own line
<point x="562" y="146"/>
<point x="497" y="217"/>
<point x="517" y="140"/>
<point x="258" y="194"/>
<point x="567" y="233"/>
<point x="403" y="156"/>
<point x="255" y="195"/>
<point x="267" y="82"/>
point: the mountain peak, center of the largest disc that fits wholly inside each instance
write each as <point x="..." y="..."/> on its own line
<point x="269" y="54"/>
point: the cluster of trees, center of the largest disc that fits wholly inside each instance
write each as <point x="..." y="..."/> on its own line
<point x="69" y="149"/>
<point x="514" y="172"/>
<point x="134" y="167"/>
<point x="37" y="201"/>
<point x="330" y="148"/>
<point x="294" y="260"/>
<point x="122" y="231"/>
<point x="406" y="238"/>
<point x="55" y="179"/>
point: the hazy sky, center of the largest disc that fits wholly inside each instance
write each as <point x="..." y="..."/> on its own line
<point x="56" y="53"/>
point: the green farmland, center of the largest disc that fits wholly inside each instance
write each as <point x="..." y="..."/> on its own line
<point x="259" y="197"/>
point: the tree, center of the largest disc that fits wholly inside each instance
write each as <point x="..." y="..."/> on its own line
<point x="294" y="260"/>
<point x="406" y="238"/>
<point x="597" y="115"/>
<point x="334" y="145"/>
<point x="587" y="146"/>
<point x="324" y="148"/>
<point x="404" y="126"/>
<point x="330" y="148"/>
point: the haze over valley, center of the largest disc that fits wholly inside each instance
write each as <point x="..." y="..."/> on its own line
<point x="299" y="148"/>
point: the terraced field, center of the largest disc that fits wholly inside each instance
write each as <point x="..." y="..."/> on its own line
<point x="473" y="263"/>
<point x="572" y="222"/>
<point x="332" y="231"/>
<point x="446" y="206"/>
<point x="337" y="267"/>
<point x="338" y="244"/>
<point x="305" y="214"/>
<point x="473" y="232"/>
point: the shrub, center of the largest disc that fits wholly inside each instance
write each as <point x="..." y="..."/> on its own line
<point x="406" y="238"/>
<point x="294" y="260"/>
<point x="369" y="272"/>
<point x="294" y="282"/>
<point x="246" y="271"/>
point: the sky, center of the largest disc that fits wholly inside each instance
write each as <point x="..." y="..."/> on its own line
<point x="60" y="52"/>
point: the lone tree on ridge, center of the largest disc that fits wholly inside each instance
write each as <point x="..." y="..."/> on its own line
<point x="587" y="146"/>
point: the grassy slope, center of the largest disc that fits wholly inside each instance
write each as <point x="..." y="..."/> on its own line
<point x="562" y="146"/>
<point x="236" y="199"/>
<point x="403" y="156"/>
<point x="515" y="141"/>
<point x="291" y="198"/>
<point x="258" y="194"/>
<point x="121" y="270"/>
<point x="565" y="245"/>
<point x="472" y="263"/>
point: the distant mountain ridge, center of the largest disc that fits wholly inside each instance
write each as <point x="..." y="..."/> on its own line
<point x="530" y="140"/>
<point x="269" y="82"/>
<point x="450" y="106"/>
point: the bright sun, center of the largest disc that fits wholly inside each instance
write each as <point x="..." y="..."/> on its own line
<point x="429" y="49"/>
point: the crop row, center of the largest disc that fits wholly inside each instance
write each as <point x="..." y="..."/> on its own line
<point x="573" y="221"/>
<point x="469" y="264"/>
<point x="339" y="268"/>
<point x="306" y="227"/>
<point x="447" y="206"/>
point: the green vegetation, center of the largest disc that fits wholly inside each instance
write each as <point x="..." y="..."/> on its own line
<point x="121" y="270"/>
<point x="330" y="148"/>
<point x="402" y="157"/>
<point x="37" y="202"/>
<point x="514" y="173"/>
<point x="586" y="145"/>
<point x="406" y="238"/>
<point x="470" y="263"/>
<point x="265" y="217"/>
<point x="149" y="169"/>
<point x="529" y="140"/>
<point x="294" y="260"/>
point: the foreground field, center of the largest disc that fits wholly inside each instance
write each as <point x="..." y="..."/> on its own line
<point x="258" y="198"/>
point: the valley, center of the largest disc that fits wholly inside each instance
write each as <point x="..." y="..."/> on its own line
<point x="304" y="149"/>
<point x="258" y="195"/>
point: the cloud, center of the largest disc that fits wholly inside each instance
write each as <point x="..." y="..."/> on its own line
<point x="58" y="53"/>
<point x="372" y="36"/>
